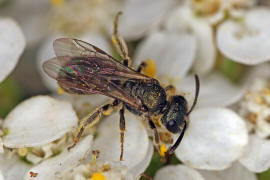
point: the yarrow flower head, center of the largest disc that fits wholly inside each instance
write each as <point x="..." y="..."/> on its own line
<point x="227" y="134"/>
<point x="254" y="108"/>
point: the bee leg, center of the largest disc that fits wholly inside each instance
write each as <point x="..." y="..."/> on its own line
<point x="119" y="42"/>
<point x="92" y="119"/>
<point x="156" y="135"/>
<point x="170" y="90"/>
<point x="122" y="125"/>
<point x="141" y="66"/>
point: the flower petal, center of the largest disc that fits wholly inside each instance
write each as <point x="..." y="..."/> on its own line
<point x="151" y="13"/>
<point x="1" y="146"/>
<point x="214" y="139"/>
<point x="46" y="52"/>
<point x="136" y="141"/>
<point x="173" y="53"/>
<point x="236" y="172"/>
<point x="183" y="19"/>
<point x="142" y="166"/>
<point x="56" y="167"/>
<point x="12" y="43"/>
<point x="257" y="154"/>
<point x="37" y="121"/>
<point x="12" y="167"/>
<point x="259" y="71"/>
<point x="1" y="176"/>
<point x="245" y="42"/>
<point x="179" y="172"/>
<point x="215" y="90"/>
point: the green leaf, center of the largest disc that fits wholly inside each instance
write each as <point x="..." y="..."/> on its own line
<point x="232" y="70"/>
<point x="10" y="96"/>
<point x="265" y="175"/>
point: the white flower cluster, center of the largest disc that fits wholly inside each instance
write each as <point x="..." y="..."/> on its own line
<point x="220" y="143"/>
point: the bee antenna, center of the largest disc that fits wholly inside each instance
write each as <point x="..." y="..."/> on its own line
<point x="197" y="81"/>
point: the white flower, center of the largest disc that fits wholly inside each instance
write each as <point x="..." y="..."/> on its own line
<point x="56" y="167"/>
<point x="38" y="130"/>
<point x="38" y="121"/>
<point x="179" y="172"/>
<point x="153" y="48"/>
<point x="213" y="129"/>
<point x="12" y="43"/>
<point x="215" y="138"/>
<point x="11" y="167"/>
<point x="82" y="16"/>
<point x="244" y="40"/>
<point x="183" y="20"/>
<point x="141" y="16"/>
<point x="137" y="148"/>
<point x="31" y="16"/>
<point x="254" y="108"/>
<point x="46" y="52"/>
<point x="236" y="172"/>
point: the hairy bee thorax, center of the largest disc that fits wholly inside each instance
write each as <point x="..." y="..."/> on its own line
<point x="152" y="96"/>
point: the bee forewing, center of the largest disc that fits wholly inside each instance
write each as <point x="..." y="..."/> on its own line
<point x="75" y="48"/>
<point x="53" y="66"/>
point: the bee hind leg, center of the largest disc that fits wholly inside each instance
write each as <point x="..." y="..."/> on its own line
<point x="92" y="119"/>
<point x="119" y="42"/>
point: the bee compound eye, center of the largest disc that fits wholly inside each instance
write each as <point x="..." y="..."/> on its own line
<point x="172" y="126"/>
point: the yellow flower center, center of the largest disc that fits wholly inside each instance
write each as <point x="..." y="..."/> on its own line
<point x="57" y="2"/>
<point x="150" y="69"/>
<point x="60" y="90"/>
<point x="98" y="176"/>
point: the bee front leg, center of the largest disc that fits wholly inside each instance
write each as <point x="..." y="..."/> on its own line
<point x="156" y="135"/>
<point x="119" y="42"/>
<point x="92" y="119"/>
<point x="141" y="66"/>
<point x="122" y="126"/>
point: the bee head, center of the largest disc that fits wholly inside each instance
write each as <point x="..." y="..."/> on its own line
<point x="175" y="115"/>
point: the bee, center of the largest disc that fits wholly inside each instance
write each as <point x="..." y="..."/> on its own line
<point x="82" y="68"/>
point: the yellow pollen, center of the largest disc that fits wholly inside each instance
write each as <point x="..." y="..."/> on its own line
<point x="150" y="69"/>
<point x="163" y="150"/>
<point x="98" y="176"/>
<point x="60" y="90"/>
<point x="22" y="151"/>
<point x="114" y="40"/>
<point x="57" y="2"/>
<point x="108" y="112"/>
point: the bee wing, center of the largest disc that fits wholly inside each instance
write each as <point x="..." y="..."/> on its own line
<point x="114" y="69"/>
<point x="88" y="75"/>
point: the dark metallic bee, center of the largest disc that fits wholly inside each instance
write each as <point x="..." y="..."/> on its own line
<point x="81" y="68"/>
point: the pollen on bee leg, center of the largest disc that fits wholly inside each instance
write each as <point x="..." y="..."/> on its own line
<point x="150" y="68"/>
<point x="57" y="2"/>
<point x="98" y="176"/>
<point x="163" y="150"/>
<point x="60" y="90"/>
<point x="108" y="111"/>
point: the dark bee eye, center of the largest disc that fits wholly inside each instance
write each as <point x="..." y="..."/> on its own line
<point x="172" y="126"/>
